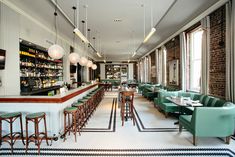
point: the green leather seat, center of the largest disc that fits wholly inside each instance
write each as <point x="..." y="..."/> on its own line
<point x="70" y="109"/>
<point x="164" y="104"/>
<point x="210" y="122"/>
<point x="78" y="103"/>
<point x="9" y="115"/>
<point x="35" y="115"/>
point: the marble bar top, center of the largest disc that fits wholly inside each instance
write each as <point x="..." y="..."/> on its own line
<point x="60" y="98"/>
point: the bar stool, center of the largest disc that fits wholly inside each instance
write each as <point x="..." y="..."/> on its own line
<point x="36" y="118"/>
<point x="68" y="112"/>
<point x="127" y="107"/>
<point x="80" y="114"/>
<point x="12" y="136"/>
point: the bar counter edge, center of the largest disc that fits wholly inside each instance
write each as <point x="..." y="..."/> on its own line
<point x="53" y="106"/>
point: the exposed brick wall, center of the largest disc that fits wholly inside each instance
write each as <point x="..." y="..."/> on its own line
<point x="217" y="80"/>
<point x="173" y="52"/>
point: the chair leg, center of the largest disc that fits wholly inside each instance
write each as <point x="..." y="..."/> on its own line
<point x="180" y="127"/>
<point x="166" y="114"/>
<point x="227" y="140"/>
<point x="194" y="140"/>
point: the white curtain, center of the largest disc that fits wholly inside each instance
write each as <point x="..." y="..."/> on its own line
<point x="160" y="54"/>
<point x="164" y="51"/>
<point x="156" y="64"/>
<point x="145" y="70"/>
<point x="142" y="70"/>
<point x="183" y="53"/>
<point x="230" y="57"/>
<point x="205" y="22"/>
<point x="149" y="69"/>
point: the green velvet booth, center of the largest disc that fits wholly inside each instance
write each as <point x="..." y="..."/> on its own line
<point x="210" y="121"/>
<point x="164" y="104"/>
<point x="170" y="107"/>
<point x="114" y="82"/>
<point x="151" y="92"/>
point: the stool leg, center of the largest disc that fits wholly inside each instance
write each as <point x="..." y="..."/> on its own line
<point x="45" y="125"/>
<point x="37" y="135"/>
<point x="65" y="126"/>
<point x="27" y="137"/>
<point x="69" y="123"/>
<point x="11" y="137"/>
<point x="0" y="132"/>
<point x="74" y="125"/>
<point x="21" y="126"/>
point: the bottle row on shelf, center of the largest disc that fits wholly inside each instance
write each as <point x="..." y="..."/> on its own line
<point x="25" y="72"/>
<point x="41" y="65"/>
<point x="37" y="83"/>
<point x="38" y="55"/>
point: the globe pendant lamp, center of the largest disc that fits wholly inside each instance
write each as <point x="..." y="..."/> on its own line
<point x="83" y="61"/>
<point x="89" y="64"/>
<point x="94" y="66"/>
<point x="55" y="51"/>
<point x="74" y="58"/>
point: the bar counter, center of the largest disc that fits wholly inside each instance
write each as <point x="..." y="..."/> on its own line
<point x="53" y="106"/>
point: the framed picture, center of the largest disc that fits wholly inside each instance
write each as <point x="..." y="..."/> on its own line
<point x="174" y="72"/>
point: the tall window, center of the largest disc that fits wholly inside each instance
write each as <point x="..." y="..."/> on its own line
<point x="194" y="59"/>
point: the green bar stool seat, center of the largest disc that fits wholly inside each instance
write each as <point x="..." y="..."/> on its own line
<point x="12" y="136"/>
<point x="37" y="136"/>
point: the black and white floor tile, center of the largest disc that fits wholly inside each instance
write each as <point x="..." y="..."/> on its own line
<point x="154" y="135"/>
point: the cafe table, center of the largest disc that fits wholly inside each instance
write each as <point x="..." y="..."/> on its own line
<point x="183" y="102"/>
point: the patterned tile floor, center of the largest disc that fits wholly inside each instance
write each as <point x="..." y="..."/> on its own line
<point x="154" y="135"/>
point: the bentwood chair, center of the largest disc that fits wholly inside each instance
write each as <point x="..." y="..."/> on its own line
<point x="127" y="107"/>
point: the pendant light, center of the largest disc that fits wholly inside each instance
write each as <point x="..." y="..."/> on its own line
<point x="94" y="66"/>
<point x="89" y="63"/>
<point x="74" y="57"/>
<point x="83" y="61"/>
<point x="55" y="51"/>
<point x="153" y="29"/>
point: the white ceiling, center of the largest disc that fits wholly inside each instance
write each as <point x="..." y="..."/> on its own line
<point x="118" y="40"/>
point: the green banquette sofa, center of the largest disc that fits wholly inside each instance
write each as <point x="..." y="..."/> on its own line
<point x="210" y="122"/>
<point x="216" y="118"/>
